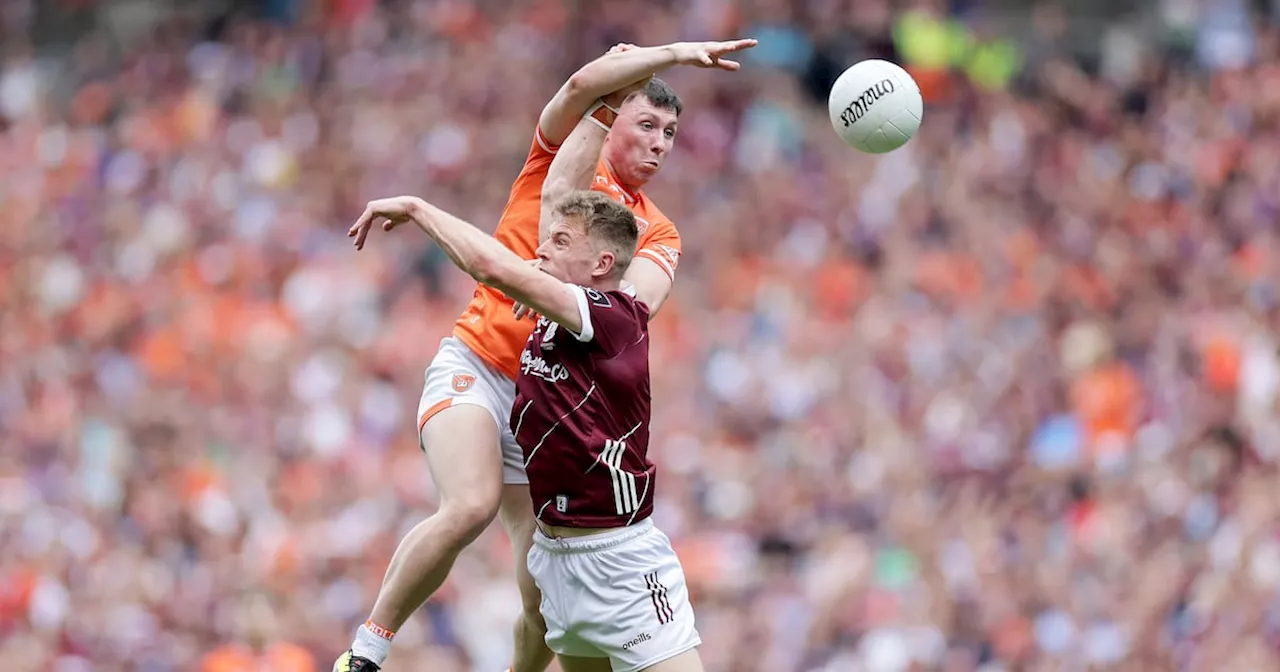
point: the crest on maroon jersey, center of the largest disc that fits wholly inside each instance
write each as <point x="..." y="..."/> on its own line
<point x="598" y="298"/>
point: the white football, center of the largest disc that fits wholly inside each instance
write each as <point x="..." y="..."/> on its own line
<point x="875" y="106"/>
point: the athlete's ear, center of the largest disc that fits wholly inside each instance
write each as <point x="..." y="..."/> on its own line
<point x="604" y="265"/>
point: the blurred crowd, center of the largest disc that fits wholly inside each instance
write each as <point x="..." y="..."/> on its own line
<point x="1005" y="399"/>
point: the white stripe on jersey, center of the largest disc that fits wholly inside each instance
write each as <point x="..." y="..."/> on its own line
<point x="654" y="256"/>
<point x="643" y="495"/>
<point x="624" y="483"/>
<point x="625" y="498"/>
<point x="600" y="457"/>
<point x="538" y="516"/>
<point x="633" y="430"/>
<point x="631" y="490"/>
<point x="542" y="142"/>
<point x="553" y="427"/>
<point x="520" y="421"/>
<point x="612" y="453"/>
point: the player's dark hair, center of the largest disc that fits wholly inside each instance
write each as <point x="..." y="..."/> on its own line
<point x="661" y="95"/>
<point x="607" y="221"/>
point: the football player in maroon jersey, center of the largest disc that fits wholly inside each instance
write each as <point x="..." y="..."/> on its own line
<point x="614" y="594"/>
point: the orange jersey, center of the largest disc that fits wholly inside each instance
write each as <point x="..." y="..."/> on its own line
<point x="487" y="326"/>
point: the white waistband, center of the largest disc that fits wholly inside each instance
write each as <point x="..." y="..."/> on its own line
<point x="594" y="542"/>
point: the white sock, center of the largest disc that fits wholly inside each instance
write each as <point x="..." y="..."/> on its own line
<point x="373" y="643"/>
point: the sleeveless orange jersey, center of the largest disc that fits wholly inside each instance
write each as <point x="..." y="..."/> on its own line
<point x="487" y="326"/>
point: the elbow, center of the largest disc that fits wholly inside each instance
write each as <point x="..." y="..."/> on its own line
<point x="487" y="271"/>
<point x="554" y="188"/>
<point x="578" y="84"/>
<point x="500" y="271"/>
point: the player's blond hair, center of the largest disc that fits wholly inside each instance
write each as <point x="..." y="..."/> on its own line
<point x="607" y="222"/>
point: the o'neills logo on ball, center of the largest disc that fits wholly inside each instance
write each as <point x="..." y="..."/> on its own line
<point x="862" y="103"/>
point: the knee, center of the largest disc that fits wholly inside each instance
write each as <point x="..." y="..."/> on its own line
<point x="467" y="517"/>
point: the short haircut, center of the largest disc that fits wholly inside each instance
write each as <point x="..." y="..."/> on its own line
<point x="661" y="95"/>
<point x="606" y="221"/>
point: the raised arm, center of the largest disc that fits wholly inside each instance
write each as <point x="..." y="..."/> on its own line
<point x="618" y="69"/>
<point x="573" y="169"/>
<point x="479" y="255"/>
<point x="610" y="72"/>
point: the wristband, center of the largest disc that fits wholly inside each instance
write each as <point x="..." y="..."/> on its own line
<point x="601" y="115"/>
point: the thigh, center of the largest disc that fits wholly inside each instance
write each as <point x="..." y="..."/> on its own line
<point x="457" y="428"/>
<point x="559" y="594"/>
<point x="689" y="661"/>
<point x="577" y="664"/>
<point x="459" y="377"/>
<point x="516" y="514"/>
<point x="513" y="472"/>
<point x="461" y="446"/>
<point x="640" y="610"/>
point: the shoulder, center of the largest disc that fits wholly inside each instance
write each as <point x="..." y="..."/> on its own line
<point x="541" y="153"/>
<point x="645" y="205"/>
<point x="528" y="184"/>
<point x="659" y="240"/>
<point x="619" y="302"/>
<point x="652" y="221"/>
<point x="611" y="298"/>
<point x="541" y="144"/>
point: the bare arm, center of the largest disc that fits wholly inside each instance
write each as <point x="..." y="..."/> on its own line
<point x="621" y="68"/>
<point x="573" y="169"/>
<point x="652" y="284"/>
<point x="611" y="77"/>
<point x="598" y="78"/>
<point x="479" y="255"/>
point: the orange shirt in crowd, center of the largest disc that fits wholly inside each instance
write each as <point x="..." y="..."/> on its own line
<point x="1106" y="401"/>
<point x="487" y="326"/>
<point x="1221" y="357"/>
<point x="279" y="657"/>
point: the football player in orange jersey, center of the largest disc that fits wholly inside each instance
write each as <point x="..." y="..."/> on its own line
<point x="464" y="413"/>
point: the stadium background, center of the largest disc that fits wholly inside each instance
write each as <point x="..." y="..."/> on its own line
<point x="1005" y="399"/>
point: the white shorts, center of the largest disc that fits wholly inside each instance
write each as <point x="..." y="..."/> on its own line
<point x="619" y="595"/>
<point x="458" y="376"/>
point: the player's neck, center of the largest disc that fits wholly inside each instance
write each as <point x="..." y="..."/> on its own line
<point x="606" y="285"/>
<point x="633" y="190"/>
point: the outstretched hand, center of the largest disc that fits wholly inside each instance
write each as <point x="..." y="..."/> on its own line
<point x="710" y="54"/>
<point x="395" y="211"/>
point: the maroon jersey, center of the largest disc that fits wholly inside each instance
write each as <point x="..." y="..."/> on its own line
<point x="581" y="415"/>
